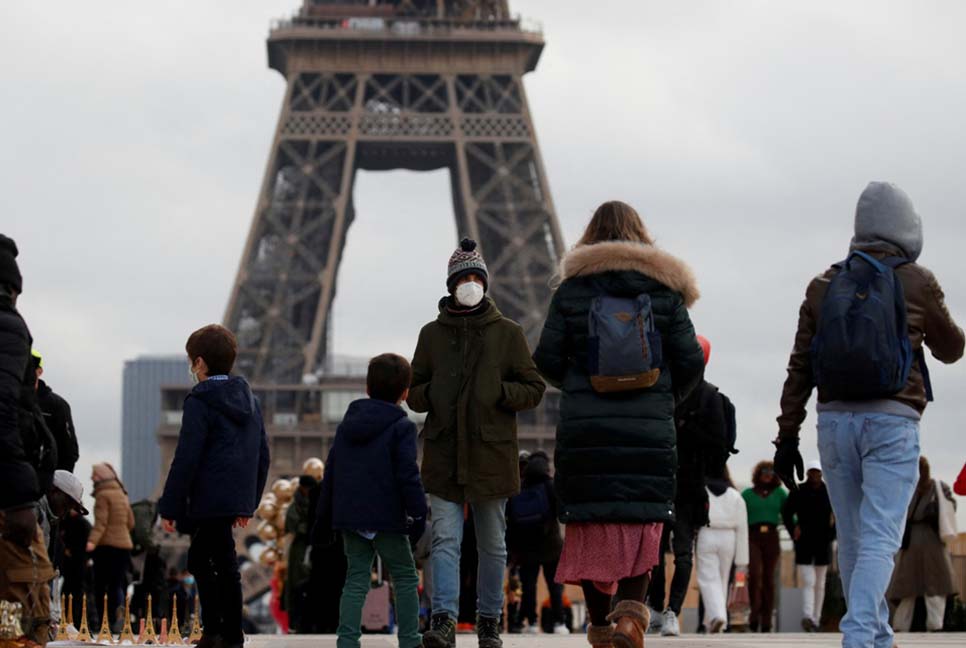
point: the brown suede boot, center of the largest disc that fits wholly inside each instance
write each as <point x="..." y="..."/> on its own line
<point x="632" y="619"/>
<point x="601" y="636"/>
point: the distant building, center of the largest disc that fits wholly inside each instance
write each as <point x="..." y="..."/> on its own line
<point x="141" y="415"/>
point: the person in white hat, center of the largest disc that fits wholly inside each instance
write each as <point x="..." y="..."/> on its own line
<point x="808" y="517"/>
<point x="66" y="494"/>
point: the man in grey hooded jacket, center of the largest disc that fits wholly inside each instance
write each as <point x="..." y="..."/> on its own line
<point x="870" y="448"/>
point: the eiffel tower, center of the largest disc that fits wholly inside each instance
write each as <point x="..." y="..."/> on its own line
<point x="380" y="85"/>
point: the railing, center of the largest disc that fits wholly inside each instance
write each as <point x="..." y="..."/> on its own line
<point x="408" y="27"/>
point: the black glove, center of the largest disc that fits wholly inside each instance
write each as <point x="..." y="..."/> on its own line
<point x="788" y="462"/>
<point x="417" y="527"/>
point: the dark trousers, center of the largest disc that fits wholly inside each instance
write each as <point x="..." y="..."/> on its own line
<point x="679" y="537"/>
<point x="110" y="577"/>
<point x="764" y="551"/>
<point x="214" y="564"/>
<point x="529" y="572"/>
<point x="599" y="604"/>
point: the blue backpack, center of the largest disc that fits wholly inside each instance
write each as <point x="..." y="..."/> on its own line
<point x="623" y="347"/>
<point x="531" y="507"/>
<point x="861" y="350"/>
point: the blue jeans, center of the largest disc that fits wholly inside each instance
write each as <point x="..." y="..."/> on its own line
<point x="871" y="466"/>
<point x="489" y="519"/>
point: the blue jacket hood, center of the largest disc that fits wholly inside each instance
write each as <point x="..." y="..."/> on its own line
<point x="367" y="418"/>
<point x="232" y="397"/>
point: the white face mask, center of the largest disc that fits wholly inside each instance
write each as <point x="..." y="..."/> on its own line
<point x="193" y="374"/>
<point x="469" y="294"/>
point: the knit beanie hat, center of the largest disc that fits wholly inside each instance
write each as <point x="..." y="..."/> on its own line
<point x="9" y="271"/>
<point x="466" y="260"/>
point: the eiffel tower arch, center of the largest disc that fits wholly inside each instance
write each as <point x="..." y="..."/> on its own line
<point x="379" y="85"/>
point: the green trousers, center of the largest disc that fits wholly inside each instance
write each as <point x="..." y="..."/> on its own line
<point x="397" y="557"/>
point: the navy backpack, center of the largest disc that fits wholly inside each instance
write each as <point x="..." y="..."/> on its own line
<point x="624" y="346"/>
<point x="861" y="350"/>
<point x="531" y="507"/>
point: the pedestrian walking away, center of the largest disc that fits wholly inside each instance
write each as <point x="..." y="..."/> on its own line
<point x="619" y="343"/>
<point x="808" y="518"/>
<point x="861" y="333"/>
<point x="57" y="416"/>
<point x="533" y="534"/>
<point x="721" y="544"/>
<point x="216" y="479"/>
<point x="705" y="426"/>
<point x="472" y="374"/>
<point x="110" y="542"/>
<point x="923" y="566"/>
<point x="373" y="495"/>
<point x="764" y="501"/>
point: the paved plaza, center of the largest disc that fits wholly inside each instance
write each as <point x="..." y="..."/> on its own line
<point x="578" y="641"/>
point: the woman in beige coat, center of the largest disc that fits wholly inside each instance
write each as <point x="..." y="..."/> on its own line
<point x="110" y="540"/>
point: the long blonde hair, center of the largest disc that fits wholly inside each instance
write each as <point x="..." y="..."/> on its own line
<point x="615" y="221"/>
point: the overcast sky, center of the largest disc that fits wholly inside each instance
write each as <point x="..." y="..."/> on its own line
<point x="134" y="139"/>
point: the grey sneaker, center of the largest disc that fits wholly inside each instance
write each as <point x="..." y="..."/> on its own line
<point x="488" y="632"/>
<point x="671" y="628"/>
<point x="657" y="621"/>
<point x="441" y="633"/>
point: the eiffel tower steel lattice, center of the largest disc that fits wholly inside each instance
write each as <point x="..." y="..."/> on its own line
<point x="379" y="85"/>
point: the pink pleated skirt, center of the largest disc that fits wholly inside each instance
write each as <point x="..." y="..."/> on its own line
<point x="606" y="553"/>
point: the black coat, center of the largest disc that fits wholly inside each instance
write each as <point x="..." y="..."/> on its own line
<point x="615" y="456"/>
<point x="540" y="544"/>
<point x="810" y="509"/>
<point x="371" y="478"/>
<point x="59" y="421"/>
<point x="18" y="475"/>
<point x="221" y="463"/>
<point x="701" y="430"/>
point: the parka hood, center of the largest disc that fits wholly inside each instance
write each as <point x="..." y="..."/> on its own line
<point x="885" y="218"/>
<point x="367" y="418"/>
<point x="232" y="397"/>
<point x="616" y="256"/>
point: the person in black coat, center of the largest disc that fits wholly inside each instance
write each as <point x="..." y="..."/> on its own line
<point x="58" y="417"/>
<point x="534" y="534"/>
<point x="216" y="478"/>
<point x="807" y="515"/>
<point x="373" y="494"/>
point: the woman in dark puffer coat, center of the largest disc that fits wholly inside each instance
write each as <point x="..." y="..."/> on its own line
<point x="615" y="458"/>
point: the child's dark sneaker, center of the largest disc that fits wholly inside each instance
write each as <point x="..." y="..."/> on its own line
<point x="441" y="633"/>
<point x="488" y="632"/>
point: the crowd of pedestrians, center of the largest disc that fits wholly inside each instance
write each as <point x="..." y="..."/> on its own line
<point x="640" y="467"/>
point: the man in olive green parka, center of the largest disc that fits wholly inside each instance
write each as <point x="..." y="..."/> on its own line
<point x="472" y="372"/>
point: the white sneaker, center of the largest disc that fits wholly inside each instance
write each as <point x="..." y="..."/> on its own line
<point x="670" y="628"/>
<point x="531" y="629"/>
<point x="657" y="621"/>
<point x="561" y="629"/>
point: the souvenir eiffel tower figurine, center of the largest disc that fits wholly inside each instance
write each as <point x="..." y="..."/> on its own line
<point x="62" y="626"/>
<point x="174" y="632"/>
<point x="84" y="634"/>
<point x="163" y="637"/>
<point x="148" y="636"/>
<point x="195" y="635"/>
<point x="127" y="632"/>
<point x="70" y="630"/>
<point x="11" y="615"/>
<point x="105" y="636"/>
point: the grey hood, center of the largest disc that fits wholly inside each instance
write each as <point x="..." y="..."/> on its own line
<point x="885" y="219"/>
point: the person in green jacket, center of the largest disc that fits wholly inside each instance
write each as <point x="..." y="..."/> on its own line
<point x="472" y="373"/>
<point x="298" y="520"/>
<point x="765" y="500"/>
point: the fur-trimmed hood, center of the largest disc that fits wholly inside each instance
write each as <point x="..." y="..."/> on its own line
<point x="616" y="256"/>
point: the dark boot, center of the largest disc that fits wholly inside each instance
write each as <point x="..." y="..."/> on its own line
<point x="488" y="632"/>
<point x="632" y="620"/>
<point x="209" y="641"/>
<point x="601" y="636"/>
<point x="441" y="633"/>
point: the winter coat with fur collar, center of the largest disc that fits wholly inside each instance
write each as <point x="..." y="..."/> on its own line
<point x="615" y="457"/>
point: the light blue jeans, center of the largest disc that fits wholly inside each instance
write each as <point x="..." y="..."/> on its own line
<point x="871" y="466"/>
<point x="489" y="519"/>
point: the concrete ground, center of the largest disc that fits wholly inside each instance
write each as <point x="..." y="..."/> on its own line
<point x="577" y="641"/>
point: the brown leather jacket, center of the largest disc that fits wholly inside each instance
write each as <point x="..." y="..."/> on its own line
<point x="929" y="323"/>
<point x="113" y="517"/>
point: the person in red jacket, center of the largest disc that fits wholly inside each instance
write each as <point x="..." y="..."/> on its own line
<point x="960" y="486"/>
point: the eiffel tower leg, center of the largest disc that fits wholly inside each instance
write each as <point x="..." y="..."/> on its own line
<point x="283" y="292"/>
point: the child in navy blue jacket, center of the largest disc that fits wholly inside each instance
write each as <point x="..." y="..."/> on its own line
<point x="372" y="493"/>
<point x="216" y="479"/>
